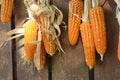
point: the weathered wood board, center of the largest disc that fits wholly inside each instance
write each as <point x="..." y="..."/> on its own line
<point x="6" y="71"/>
<point x="25" y="71"/>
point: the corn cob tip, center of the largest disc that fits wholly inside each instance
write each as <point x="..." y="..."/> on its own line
<point x="51" y="54"/>
<point x="101" y="55"/>
<point x="90" y="67"/>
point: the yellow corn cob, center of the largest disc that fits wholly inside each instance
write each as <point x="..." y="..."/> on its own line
<point x="88" y="44"/>
<point x="30" y="34"/>
<point x="49" y="43"/>
<point x="75" y="13"/>
<point x="98" y="29"/>
<point x="6" y="10"/>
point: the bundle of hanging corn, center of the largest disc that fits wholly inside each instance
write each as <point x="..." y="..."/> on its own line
<point x="41" y="31"/>
<point x="87" y="36"/>
<point x="93" y="32"/>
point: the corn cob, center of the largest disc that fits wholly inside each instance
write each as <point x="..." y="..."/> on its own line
<point x="98" y="29"/>
<point x="6" y="10"/>
<point x="30" y="34"/>
<point x="49" y="43"/>
<point x="87" y="36"/>
<point x="75" y="13"/>
<point x="88" y="43"/>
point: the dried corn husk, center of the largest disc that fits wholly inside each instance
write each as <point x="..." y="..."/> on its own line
<point x="53" y="17"/>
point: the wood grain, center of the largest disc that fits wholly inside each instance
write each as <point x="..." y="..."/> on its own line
<point x="25" y="71"/>
<point x="6" y="71"/>
<point x="109" y="69"/>
<point x="71" y="65"/>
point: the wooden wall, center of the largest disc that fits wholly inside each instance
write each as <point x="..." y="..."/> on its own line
<point x="69" y="66"/>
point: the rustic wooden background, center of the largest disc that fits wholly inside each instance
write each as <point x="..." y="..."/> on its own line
<point x="70" y="66"/>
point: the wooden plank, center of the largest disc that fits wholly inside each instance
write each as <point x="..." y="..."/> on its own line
<point x="71" y="66"/>
<point x="6" y="71"/>
<point x="109" y="69"/>
<point x="25" y="71"/>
